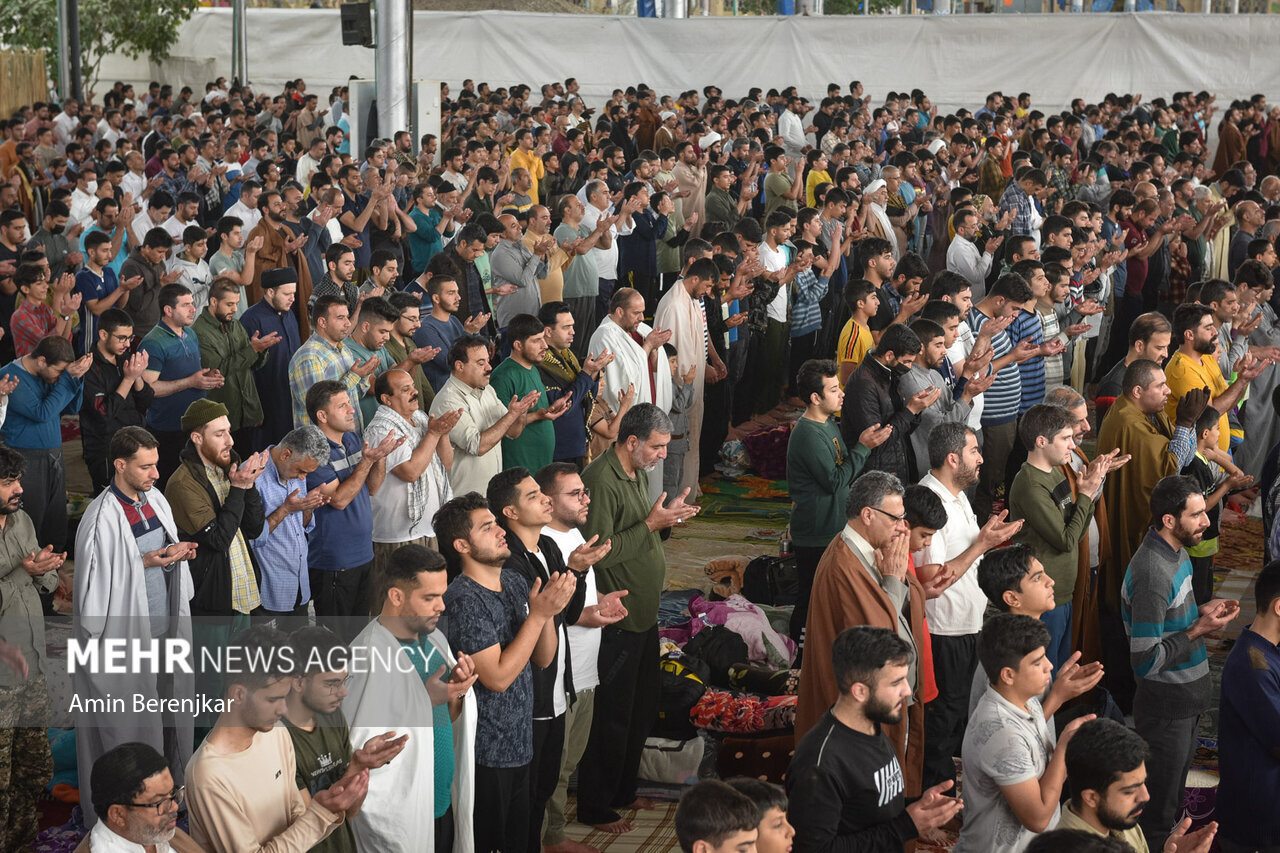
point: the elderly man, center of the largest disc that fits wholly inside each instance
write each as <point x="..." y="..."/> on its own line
<point x="485" y="419"/>
<point x="1138" y="426"/>
<point x="417" y="484"/>
<point x="690" y="175"/>
<point x="637" y="359"/>
<point x="863" y="580"/>
<point x="139" y="803"/>
<point x="289" y="507"/>
<point x="132" y="584"/>
<point x="516" y="270"/>
<point x="623" y="513"/>
<point x="25" y="763"/>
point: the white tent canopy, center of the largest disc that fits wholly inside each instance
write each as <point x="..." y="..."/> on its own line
<point x="956" y="59"/>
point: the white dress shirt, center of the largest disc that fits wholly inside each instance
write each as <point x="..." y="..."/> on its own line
<point x="958" y="611"/>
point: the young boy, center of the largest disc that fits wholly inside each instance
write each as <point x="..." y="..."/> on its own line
<point x="195" y="270"/>
<point x="1056" y="520"/>
<point x="1013" y="771"/>
<point x="1217" y="475"/>
<point x="713" y="817"/>
<point x="774" y="832"/>
<point x="812" y="278"/>
<point x="681" y="401"/>
<point x="34" y="320"/>
<point x="863" y="299"/>
<point x="1058" y="286"/>
<point x="1014" y="581"/>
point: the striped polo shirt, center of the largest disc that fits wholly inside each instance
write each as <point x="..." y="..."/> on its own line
<point x="1027" y="325"/>
<point x="1000" y="401"/>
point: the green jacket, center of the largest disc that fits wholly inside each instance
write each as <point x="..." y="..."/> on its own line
<point x="636" y="563"/>
<point x="226" y="347"/>
<point x="820" y="470"/>
<point x="722" y="208"/>
<point x="1054" y="523"/>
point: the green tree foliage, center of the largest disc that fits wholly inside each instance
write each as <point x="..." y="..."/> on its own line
<point x="131" y="27"/>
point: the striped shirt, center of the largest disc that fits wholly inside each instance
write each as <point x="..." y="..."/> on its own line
<point x="1054" y="365"/>
<point x="1027" y="325"/>
<point x="1158" y="608"/>
<point x="1000" y="401"/>
<point x="806" y="312"/>
<point x="150" y="535"/>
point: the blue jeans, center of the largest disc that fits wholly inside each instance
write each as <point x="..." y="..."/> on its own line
<point x="1058" y="621"/>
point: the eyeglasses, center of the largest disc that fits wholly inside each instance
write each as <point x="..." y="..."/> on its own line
<point x="578" y="494"/>
<point x="902" y="517"/>
<point x="334" y="686"/>
<point x="177" y="796"/>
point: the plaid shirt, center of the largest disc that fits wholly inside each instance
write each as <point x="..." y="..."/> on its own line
<point x="244" y="587"/>
<point x="1016" y="199"/>
<point x="320" y="359"/>
<point x="32" y="322"/>
<point x="1060" y="183"/>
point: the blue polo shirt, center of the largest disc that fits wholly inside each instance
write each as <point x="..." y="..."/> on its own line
<point x="343" y="538"/>
<point x="121" y="256"/>
<point x="433" y="333"/>
<point x="176" y="358"/>
<point x="90" y="285"/>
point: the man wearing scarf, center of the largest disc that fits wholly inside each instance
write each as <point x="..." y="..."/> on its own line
<point x="563" y="374"/>
<point x="417" y="482"/>
<point x="877" y="220"/>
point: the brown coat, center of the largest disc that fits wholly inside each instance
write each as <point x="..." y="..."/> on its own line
<point x="845" y="595"/>
<point x="1231" y="148"/>
<point x="271" y="256"/>
<point x="1085" y="636"/>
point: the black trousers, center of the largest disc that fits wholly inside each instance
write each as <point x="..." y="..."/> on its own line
<point x="1115" y="656"/>
<point x="807" y="558"/>
<point x="802" y="349"/>
<point x="44" y="495"/>
<point x="1202" y="578"/>
<point x="626" y="706"/>
<point x="342" y="599"/>
<point x="501" y="820"/>
<point x="544" y="773"/>
<point x="445" y="832"/>
<point x="171" y="443"/>
<point x="99" y="471"/>
<point x="242" y="441"/>
<point x="954" y="660"/>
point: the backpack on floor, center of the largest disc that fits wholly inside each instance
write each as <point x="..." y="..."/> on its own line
<point x="771" y="580"/>
<point x="679" y="689"/>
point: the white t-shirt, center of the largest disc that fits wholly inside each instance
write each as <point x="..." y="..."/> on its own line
<point x="958" y="352"/>
<point x="958" y="611"/>
<point x="559" y="699"/>
<point x="391" y="502"/>
<point x="584" y="643"/>
<point x="776" y="261"/>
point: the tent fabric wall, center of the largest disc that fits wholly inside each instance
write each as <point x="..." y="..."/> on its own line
<point x="957" y="59"/>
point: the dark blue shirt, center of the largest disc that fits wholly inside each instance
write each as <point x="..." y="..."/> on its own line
<point x="90" y="285"/>
<point x="343" y="538"/>
<point x="434" y="333"/>
<point x="355" y="206"/>
<point x="176" y="358"/>
<point x="272" y="379"/>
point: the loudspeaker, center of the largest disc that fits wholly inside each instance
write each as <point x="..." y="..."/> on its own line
<point x="357" y="24"/>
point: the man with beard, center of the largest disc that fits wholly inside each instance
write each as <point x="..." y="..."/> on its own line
<point x="433" y="773"/>
<point x="139" y="803"/>
<point x="279" y="248"/>
<point x="441" y="327"/>
<point x="40" y="384"/>
<point x="505" y="624"/>
<point x="637" y="360"/>
<point x="485" y="421"/>
<point x="845" y="784"/>
<point x="626" y="700"/>
<point x="225" y="346"/>
<point x="1193" y="366"/>
<point x="565" y="376"/>
<point x="1166" y="645"/>
<point x="418" y="481"/>
<point x="955" y="615"/>
<point x="174" y="372"/>
<point x="326" y="356"/>
<point x="1107" y="773"/>
<point x="863" y="579"/>
<point x="115" y="395"/>
<point x="518" y="376"/>
<point x="272" y="316"/>
<point x="217" y="505"/>
<point x="131" y="585"/>
<point x="318" y="729"/>
<point x="55" y="238"/>
<point x="26" y="765"/>
<point x="244" y="793"/>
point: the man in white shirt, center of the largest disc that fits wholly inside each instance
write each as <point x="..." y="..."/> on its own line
<point x="83" y="198"/>
<point x="185" y="210"/>
<point x="417" y="484"/>
<point x="137" y="803"/>
<point x="153" y="216"/>
<point x="770" y="364"/>
<point x="570" y="500"/>
<point x="247" y="207"/>
<point x="134" y="182"/>
<point x="963" y="256"/>
<point x="955" y="617"/>
<point x="485" y="420"/>
<point x="791" y="127"/>
<point x="309" y="162"/>
<point x="605" y="254"/>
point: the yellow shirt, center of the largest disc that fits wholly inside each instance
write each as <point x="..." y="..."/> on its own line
<point x="1133" y="837"/>
<point x="1185" y="373"/>
<point x="811" y="183"/>
<point x="854" y="347"/>
<point x="520" y="159"/>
